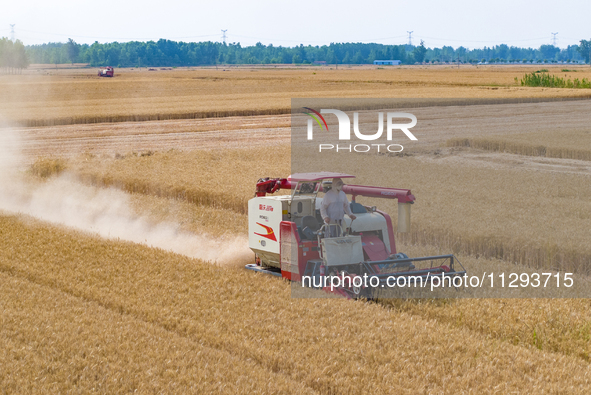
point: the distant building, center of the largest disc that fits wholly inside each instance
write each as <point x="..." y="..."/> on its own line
<point x="323" y="62"/>
<point x="387" y="62"/>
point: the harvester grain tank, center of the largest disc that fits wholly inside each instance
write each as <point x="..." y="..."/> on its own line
<point x="290" y="239"/>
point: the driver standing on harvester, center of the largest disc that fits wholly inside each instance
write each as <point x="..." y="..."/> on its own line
<point x="334" y="206"/>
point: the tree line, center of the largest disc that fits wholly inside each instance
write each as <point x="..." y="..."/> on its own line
<point x="168" y="53"/>
<point x="13" y="56"/>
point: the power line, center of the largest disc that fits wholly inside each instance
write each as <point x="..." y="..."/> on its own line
<point x="311" y="41"/>
<point x="113" y="38"/>
<point x="484" y="41"/>
<point x="225" y="38"/>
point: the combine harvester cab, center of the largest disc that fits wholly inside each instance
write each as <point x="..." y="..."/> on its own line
<point x="290" y="240"/>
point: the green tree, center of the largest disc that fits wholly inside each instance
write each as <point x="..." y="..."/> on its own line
<point x="5" y="48"/>
<point x="585" y="49"/>
<point x="502" y="51"/>
<point x="73" y="50"/>
<point x="419" y="52"/>
<point x="347" y="58"/>
<point x="358" y="58"/>
<point x="13" y="56"/>
<point x="549" y="51"/>
<point x="20" y="59"/>
<point x="331" y="57"/>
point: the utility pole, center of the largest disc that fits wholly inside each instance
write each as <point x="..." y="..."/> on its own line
<point x="224" y="35"/>
<point x="410" y="37"/>
<point x="554" y="39"/>
<point x="12" y="32"/>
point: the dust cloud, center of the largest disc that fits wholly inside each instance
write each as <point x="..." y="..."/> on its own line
<point x="106" y="212"/>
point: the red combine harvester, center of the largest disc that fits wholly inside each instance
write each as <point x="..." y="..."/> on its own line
<point x="106" y="72"/>
<point x="290" y="239"/>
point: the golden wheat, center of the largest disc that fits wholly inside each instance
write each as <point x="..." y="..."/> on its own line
<point x="479" y="211"/>
<point x="551" y="144"/>
<point x="46" y="167"/>
<point x="80" y="97"/>
<point x="326" y="346"/>
<point x="218" y="179"/>
<point x="55" y="342"/>
<point x="566" y="331"/>
<point x="556" y="325"/>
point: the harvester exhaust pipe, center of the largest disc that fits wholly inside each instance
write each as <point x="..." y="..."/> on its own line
<point x="404" y="217"/>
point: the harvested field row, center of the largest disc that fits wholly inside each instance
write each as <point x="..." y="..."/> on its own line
<point x="555" y="144"/>
<point x="121" y="139"/>
<point x="436" y="125"/>
<point x="226" y="126"/>
<point x="70" y="97"/>
<point x="371" y="349"/>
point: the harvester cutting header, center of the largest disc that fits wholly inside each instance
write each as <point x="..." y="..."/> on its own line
<point x="294" y="236"/>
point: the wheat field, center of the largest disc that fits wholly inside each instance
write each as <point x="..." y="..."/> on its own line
<point x="553" y="325"/>
<point x="565" y="332"/>
<point x="79" y="313"/>
<point x="197" y="314"/>
<point x="78" y="96"/>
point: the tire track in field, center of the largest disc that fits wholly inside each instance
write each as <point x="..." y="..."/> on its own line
<point x="111" y="138"/>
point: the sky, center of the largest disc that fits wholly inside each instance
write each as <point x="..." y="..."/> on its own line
<point x="468" y="23"/>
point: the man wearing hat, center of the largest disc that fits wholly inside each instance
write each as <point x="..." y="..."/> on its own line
<point x="334" y="206"/>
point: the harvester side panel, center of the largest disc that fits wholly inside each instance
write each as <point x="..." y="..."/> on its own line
<point x="295" y="252"/>
<point x="265" y="216"/>
<point x="289" y="250"/>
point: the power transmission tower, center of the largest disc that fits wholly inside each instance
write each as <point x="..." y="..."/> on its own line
<point x="12" y="33"/>
<point x="410" y="37"/>
<point x="554" y="39"/>
<point x="224" y="35"/>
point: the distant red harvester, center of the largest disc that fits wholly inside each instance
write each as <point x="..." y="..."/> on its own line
<point x="106" y="72"/>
